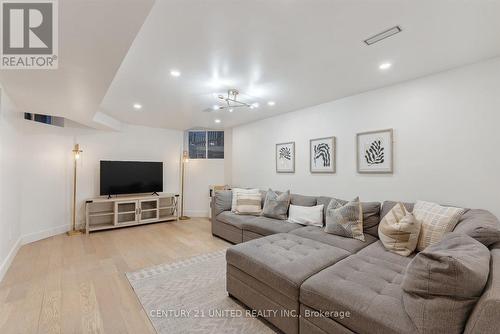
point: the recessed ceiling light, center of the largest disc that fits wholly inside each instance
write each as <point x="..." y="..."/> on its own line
<point x="231" y="110"/>
<point x="137" y="106"/>
<point x="217" y="121"/>
<point x="255" y="105"/>
<point x="271" y="103"/>
<point x="215" y="107"/>
<point x="175" y="73"/>
<point x="385" y="66"/>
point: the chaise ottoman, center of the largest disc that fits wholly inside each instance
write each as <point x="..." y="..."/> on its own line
<point x="266" y="274"/>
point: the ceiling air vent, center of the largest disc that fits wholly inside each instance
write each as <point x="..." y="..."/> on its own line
<point x="383" y="35"/>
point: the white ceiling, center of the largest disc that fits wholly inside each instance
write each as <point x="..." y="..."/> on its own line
<point x="296" y="53"/>
<point x="94" y="37"/>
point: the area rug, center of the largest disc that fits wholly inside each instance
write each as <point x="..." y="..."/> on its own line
<point x="190" y="297"/>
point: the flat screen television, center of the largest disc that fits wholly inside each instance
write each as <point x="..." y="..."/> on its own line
<point x="131" y="177"/>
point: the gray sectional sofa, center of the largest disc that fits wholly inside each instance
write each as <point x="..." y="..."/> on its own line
<point x="304" y="280"/>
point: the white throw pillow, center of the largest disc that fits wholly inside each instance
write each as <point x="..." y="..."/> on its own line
<point x="237" y="191"/>
<point x="306" y="215"/>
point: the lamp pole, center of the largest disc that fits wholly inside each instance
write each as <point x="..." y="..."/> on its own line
<point x="76" y="155"/>
<point x="185" y="159"/>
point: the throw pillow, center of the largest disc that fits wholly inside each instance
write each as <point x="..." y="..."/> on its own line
<point x="248" y="204"/>
<point x="436" y="221"/>
<point x="399" y="230"/>
<point x="276" y="206"/>
<point x="237" y="191"/>
<point x="306" y="215"/>
<point x="443" y="283"/>
<point x="345" y="220"/>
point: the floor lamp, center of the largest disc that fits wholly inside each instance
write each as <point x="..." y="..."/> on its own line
<point x="185" y="160"/>
<point x="76" y="156"/>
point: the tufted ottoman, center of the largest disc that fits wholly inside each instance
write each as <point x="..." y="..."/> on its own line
<point x="367" y="285"/>
<point x="266" y="274"/>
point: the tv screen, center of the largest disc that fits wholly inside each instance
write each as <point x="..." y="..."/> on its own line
<point x="131" y="177"/>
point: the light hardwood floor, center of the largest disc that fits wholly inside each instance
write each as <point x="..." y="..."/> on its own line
<point x="77" y="284"/>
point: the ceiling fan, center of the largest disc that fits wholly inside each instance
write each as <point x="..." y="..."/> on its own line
<point x="231" y="102"/>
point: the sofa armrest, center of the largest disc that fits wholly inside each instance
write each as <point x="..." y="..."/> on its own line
<point x="221" y="201"/>
<point x="484" y="318"/>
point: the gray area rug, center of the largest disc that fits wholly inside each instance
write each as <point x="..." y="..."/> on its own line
<point x="190" y="297"/>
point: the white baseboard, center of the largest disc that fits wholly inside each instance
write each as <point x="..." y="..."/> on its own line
<point x="8" y="260"/>
<point x="32" y="237"/>
<point x="196" y="213"/>
<point x="26" y="239"/>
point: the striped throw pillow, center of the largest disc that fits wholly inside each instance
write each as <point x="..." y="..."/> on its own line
<point x="345" y="220"/>
<point x="248" y="204"/>
<point x="436" y="221"/>
<point x="399" y="231"/>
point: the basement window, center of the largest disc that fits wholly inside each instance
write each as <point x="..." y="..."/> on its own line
<point x="45" y="119"/>
<point x="206" y="144"/>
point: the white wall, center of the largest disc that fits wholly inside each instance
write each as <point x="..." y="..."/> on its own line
<point x="36" y="171"/>
<point x="47" y="186"/>
<point x="10" y="204"/>
<point x="200" y="174"/>
<point x="447" y="139"/>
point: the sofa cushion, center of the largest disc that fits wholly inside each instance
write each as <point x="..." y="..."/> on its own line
<point x="302" y="200"/>
<point x="371" y="213"/>
<point x="276" y="205"/>
<point x="371" y="217"/>
<point x="222" y="201"/>
<point x="484" y="318"/>
<point x="436" y="221"/>
<point x="399" y="231"/>
<point x="345" y="220"/>
<point x="481" y="225"/>
<point x="367" y="285"/>
<point x="232" y="218"/>
<point x="443" y="283"/>
<point x="349" y="244"/>
<point x="267" y="226"/>
<point x="283" y="261"/>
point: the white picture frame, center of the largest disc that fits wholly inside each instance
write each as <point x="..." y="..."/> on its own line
<point x="285" y="157"/>
<point x="375" y="152"/>
<point x="322" y="155"/>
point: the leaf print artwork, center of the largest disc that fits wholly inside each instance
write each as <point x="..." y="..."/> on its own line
<point x="374" y="155"/>
<point x="285" y="153"/>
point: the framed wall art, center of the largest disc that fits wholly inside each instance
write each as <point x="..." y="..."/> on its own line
<point x="375" y="151"/>
<point x="285" y="157"/>
<point x="322" y="155"/>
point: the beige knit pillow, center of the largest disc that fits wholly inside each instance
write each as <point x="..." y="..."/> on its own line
<point x="248" y="204"/>
<point x="436" y="221"/>
<point x="399" y="231"/>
